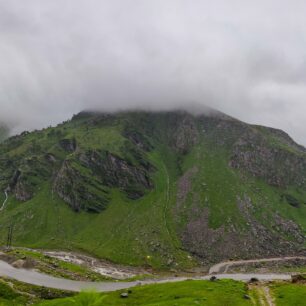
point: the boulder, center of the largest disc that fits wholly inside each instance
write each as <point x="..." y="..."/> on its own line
<point x="124" y="295"/>
<point x="18" y="263"/>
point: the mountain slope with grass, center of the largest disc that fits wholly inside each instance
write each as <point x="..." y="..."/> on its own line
<point x="164" y="189"/>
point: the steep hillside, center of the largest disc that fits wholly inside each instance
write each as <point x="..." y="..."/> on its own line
<point x="162" y="189"/>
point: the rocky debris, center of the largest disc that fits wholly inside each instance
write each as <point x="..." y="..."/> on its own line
<point x="266" y="241"/>
<point x="289" y="228"/>
<point x="210" y="245"/>
<point x="183" y="188"/>
<point x="23" y="263"/>
<point x="277" y="166"/>
<point x="216" y="245"/>
<point x="18" y="264"/>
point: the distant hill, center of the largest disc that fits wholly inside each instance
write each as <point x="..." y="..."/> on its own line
<point x="164" y="189"/>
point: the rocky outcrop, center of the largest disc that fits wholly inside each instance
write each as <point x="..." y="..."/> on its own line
<point x="277" y="166"/>
<point x="83" y="182"/>
<point x="74" y="188"/>
<point x="114" y="171"/>
<point x="20" y="187"/>
<point x="138" y="139"/>
<point x="69" y="145"/>
<point x="185" y="134"/>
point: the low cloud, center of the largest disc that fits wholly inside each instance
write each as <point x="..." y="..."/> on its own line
<point x="62" y="56"/>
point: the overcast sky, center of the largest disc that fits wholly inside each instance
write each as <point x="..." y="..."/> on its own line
<point x="247" y="58"/>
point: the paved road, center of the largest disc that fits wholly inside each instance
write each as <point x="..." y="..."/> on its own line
<point x="223" y="267"/>
<point x="40" y="279"/>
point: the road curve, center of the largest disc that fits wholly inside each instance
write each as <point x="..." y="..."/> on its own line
<point x="222" y="267"/>
<point x="40" y="279"/>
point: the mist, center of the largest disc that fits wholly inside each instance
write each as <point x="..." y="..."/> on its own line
<point x="244" y="58"/>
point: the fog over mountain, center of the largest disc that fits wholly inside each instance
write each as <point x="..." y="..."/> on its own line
<point x="244" y="58"/>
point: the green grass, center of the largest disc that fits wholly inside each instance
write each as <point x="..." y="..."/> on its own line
<point x="289" y="294"/>
<point x="15" y="293"/>
<point x="9" y="297"/>
<point x="186" y="293"/>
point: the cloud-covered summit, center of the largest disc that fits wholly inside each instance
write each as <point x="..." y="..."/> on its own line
<point x="62" y="56"/>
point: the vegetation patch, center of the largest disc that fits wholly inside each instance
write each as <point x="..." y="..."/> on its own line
<point x="186" y="293"/>
<point x="289" y="294"/>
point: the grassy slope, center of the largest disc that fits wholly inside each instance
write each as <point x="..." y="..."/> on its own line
<point x="289" y="294"/>
<point x="128" y="231"/>
<point x="219" y="293"/>
<point x="136" y="232"/>
<point x="9" y="297"/>
<point x="185" y="293"/>
<point x="14" y="293"/>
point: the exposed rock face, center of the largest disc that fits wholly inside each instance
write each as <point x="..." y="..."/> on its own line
<point x="68" y="145"/>
<point x="279" y="167"/>
<point x="22" y="191"/>
<point x="20" y="187"/>
<point x="137" y="139"/>
<point x="116" y="172"/>
<point x="72" y="187"/>
<point x="185" y="133"/>
<point x="50" y="158"/>
<point x="87" y="189"/>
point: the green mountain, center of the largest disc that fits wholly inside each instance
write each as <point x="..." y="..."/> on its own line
<point x="164" y="189"/>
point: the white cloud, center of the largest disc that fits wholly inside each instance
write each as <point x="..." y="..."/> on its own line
<point x="246" y="58"/>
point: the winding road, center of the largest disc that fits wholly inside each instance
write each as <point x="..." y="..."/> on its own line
<point x="40" y="279"/>
<point x="223" y="267"/>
